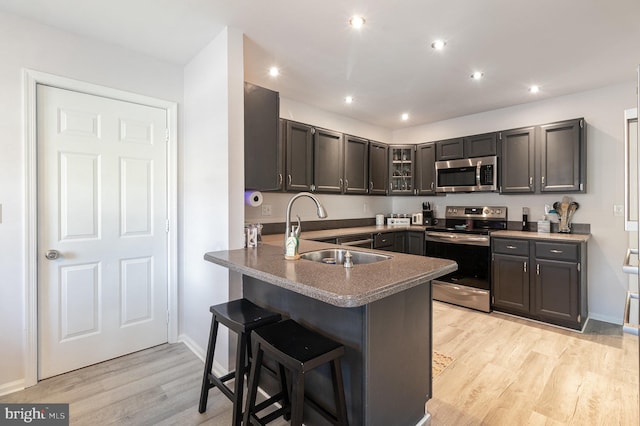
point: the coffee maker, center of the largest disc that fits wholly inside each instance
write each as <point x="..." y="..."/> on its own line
<point x="427" y="214"/>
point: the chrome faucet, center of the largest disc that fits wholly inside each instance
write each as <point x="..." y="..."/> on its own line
<point x="322" y="213"/>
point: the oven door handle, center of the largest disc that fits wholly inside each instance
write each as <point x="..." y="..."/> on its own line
<point x="446" y="237"/>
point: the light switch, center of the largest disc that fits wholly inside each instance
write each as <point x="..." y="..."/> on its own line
<point x="618" y="210"/>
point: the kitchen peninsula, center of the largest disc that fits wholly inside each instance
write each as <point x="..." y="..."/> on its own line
<point x="380" y="311"/>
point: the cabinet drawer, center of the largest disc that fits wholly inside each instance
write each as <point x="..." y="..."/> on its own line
<point x="383" y="240"/>
<point x="556" y="251"/>
<point x="511" y="246"/>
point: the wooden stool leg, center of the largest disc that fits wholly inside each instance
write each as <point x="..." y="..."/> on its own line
<point x="297" y="398"/>
<point x="252" y="383"/>
<point x="239" y="379"/>
<point x="206" y="384"/>
<point x="286" y="402"/>
<point x="338" y="392"/>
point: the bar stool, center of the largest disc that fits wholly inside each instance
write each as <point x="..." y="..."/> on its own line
<point x="299" y="350"/>
<point x="240" y="316"/>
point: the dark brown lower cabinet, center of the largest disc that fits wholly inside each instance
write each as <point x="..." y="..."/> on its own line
<point x="542" y="280"/>
<point x="511" y="283"/>
<point x="415" y="243"/>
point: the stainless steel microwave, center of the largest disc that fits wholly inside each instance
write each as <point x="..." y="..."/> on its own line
<point x="467" y="175"/>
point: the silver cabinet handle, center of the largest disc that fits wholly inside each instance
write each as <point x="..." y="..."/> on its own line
<point x="432" y="185"/>
<point x="512" y="247"/>
<point x="556" y="251"/>
<point x="371" y="186"/>
<point x="525" y="266"/>
<point x="340" y="182"/>
<point x="530" y="180"/>
<point x="52" y="254"/>
<point x="288" y="180"/>
<point x="346" y="183"/>
<point x="543" y="180"/>
<point x="279" y="179"/>
<point x="390" y="186"/>
<point x="538" y="269"/>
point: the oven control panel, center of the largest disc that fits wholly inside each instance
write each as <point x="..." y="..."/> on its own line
<point x="476" y="212"/>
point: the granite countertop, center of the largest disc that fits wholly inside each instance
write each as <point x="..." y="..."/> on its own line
<point x="558" y="237"/>
<point x="333" y="284"/>
<point x="340" y="232"/>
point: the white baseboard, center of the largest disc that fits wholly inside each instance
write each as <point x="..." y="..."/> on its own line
<point x="201" y="353"/>
<point x="606" y="318"/>
<point x="12" y="387"/>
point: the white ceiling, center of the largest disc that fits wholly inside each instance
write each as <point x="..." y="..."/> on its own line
<point x="389" y="67"/>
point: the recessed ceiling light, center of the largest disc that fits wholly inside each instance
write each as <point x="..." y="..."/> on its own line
<point x="348" y="99"/>
<point x="534" y="89"/>
<point x="438" y="44"/>
<point x="477" y="75"/>
<point x="356" y="21"/>
<point x="274" y="71"/>
<point x="405" y="116"/>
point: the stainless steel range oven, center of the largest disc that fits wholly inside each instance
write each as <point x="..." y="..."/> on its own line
<point x="465" y="239"/>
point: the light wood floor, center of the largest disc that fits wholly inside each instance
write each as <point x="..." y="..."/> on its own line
<point x="506" y="371"/>
<point x="509" y="371"/>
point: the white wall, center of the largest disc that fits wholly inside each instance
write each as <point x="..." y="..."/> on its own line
<point x="603" y="111"/>
<point x="25" y="44"/>
<point x="212" y="189"/>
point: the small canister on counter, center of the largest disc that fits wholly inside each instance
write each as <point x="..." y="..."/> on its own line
<point x="379" y="219"/>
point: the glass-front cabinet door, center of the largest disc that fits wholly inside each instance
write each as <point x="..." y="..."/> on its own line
<point x="401" y="169"/>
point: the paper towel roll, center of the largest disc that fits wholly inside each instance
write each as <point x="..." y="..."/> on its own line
<point x="253" y="198"/>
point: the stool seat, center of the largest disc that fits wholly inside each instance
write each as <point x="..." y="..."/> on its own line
<point x="299" y="350"/>
<point x="299" y="344"/>
<point x="241" y="316"/>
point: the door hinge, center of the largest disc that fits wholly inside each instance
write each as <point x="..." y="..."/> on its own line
<point x="167" y="226"/>
<point x="166" y="135"/>
<point x="581" y="124"/>
<point x="581" y="187"/>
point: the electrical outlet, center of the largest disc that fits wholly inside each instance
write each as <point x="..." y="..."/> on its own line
<point x="266" y="210"/>
<point x="618" y="210"/>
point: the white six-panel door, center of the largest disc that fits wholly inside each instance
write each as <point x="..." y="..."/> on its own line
<point x="102" y="238"/>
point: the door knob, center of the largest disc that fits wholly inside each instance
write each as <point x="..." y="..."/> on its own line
<point x="52" y="254"/>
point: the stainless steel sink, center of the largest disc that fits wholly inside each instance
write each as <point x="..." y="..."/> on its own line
<point x="336" y="256"/>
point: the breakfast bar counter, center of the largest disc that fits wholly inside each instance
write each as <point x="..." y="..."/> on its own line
<point x="381" y="312"/>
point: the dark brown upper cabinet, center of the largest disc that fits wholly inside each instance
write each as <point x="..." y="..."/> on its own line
<point x="356" y="165"/>
<point x="546" y="158"/>
<point x="425" y="169"/>
<point x="378" y="167"/>
<point x="263" y="144"/>
<point x="563" y="156"/>
<point x="299" y="147"/>
<point x="481" y="145"/>
<point x="328" y="161"/>
<point x="450" y="149"/>
<point x="517" y="165"/>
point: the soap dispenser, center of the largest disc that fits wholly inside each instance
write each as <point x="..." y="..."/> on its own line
<point x="291" y="249"/>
